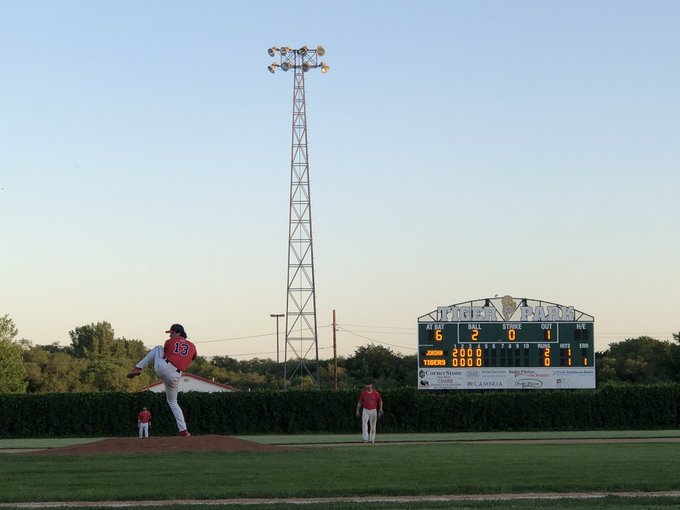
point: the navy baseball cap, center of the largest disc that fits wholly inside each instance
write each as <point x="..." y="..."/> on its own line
<point x="178" y="328"/>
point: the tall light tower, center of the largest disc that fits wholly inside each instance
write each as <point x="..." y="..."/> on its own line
<point x="301" y="328"/>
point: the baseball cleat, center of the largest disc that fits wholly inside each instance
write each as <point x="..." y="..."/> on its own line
<point x="134" y="373"/>
<point x="184" y="433"/>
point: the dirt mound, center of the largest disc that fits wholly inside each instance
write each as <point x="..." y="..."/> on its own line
<point x="207" y="443"/>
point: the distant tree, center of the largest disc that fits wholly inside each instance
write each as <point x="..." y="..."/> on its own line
<point x="97" y="343"/>
<point x="12" y="368"/>
<point x="327" y="375"/>
<point x="387" y="368"/>
<point x="98" y="339"/>
<point x="34" y="360"/>
<point x="642" y="360"/>
<point x="129" y="349"/>
<point x="300" y="382"/>
<point x="55" y="347"/>
<point x="53" y="371"/>
<point x="261" y="366"/>
<point x="225" y="362"/>
<point x="203" y="367"/>
<point x="8" y="331"/>
<point x="246" y="381"/>
<point x="93" y="339"/>
<point x="104" y="373"/>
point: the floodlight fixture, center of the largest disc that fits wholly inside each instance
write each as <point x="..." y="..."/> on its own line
<point x="300" y="60"/>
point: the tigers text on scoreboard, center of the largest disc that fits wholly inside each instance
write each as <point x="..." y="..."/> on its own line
<point x="506" y="343"/>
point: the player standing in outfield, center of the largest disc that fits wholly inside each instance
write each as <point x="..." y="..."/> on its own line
<point x="372" y="405"/>
<point x="143" y="422"/>
<point x="169" y="362"/>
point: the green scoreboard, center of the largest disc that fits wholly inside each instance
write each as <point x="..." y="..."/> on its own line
<point x="506" y="343"/>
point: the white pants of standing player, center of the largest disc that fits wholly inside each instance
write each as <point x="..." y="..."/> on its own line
<point x="143" y="429"/>
<point x="170" y="377"/>
<point x="369" y="416"/>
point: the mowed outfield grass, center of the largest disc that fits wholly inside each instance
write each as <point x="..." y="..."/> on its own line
<point x="358" y="470"/>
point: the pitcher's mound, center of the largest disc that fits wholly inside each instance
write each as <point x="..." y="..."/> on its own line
<point x="207" y="443"/>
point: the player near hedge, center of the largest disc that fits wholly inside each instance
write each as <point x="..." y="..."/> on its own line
<point x="143" y="422"/>
<point x="371" y="406"/>
<point x="169" y="361"/>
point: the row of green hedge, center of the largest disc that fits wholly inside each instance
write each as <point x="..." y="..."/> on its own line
<point x="406" y="410"/>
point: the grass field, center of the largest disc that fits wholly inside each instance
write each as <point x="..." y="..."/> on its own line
<point x="603" y="503"/>
<point x="416" y="469"/>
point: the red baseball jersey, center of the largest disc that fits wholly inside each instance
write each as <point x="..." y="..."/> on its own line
<point x="180" y="352"/>
<point x="369" y="399"/>
<point x="144" y="416"/>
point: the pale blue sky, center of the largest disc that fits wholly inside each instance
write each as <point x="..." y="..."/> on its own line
<point x="458" y="150"/>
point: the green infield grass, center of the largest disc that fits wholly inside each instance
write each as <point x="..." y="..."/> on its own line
<point x="297" y="439"/>
<point x="316" y="439"/>
<point x="600" y="503"/>
<point x="358" y="470"/>
<point x="33" y="443"/>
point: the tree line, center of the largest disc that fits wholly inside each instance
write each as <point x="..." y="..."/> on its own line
<point x="96" y="361"/>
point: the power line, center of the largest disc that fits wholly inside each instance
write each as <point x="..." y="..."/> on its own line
<point x="261" y="353"/>
<point x="371" y="326"/>
<point x="409" y="331"/>
<point x="377" y="341"/>
<point x="240" y="337"/>
<point x="232" y="339"/>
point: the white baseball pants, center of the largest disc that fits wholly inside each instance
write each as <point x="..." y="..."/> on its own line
<point x="143" y="429"/>
<point x="369" y="417"/>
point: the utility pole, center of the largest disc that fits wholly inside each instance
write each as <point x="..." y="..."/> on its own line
<point x="277" y="316"/>
<point x="335" y="354"/>
<point x="301" y="324"/>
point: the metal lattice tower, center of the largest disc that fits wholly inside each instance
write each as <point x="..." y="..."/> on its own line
<point x="301" y="324"/>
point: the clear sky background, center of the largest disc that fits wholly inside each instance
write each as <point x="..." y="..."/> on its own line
<point x="458" y="150"/>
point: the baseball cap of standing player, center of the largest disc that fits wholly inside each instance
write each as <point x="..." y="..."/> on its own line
<point x="178" y="328"/>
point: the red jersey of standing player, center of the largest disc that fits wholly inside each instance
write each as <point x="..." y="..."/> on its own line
<point x="144" y="416"/>
<point x="180" y="352"/>
<point x="370" y="398"/>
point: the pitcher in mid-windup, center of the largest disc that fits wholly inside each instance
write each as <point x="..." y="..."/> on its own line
<point x="169" y="362"/>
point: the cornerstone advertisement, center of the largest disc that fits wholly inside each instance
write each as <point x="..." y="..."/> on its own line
<point x="505" y="378"/>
